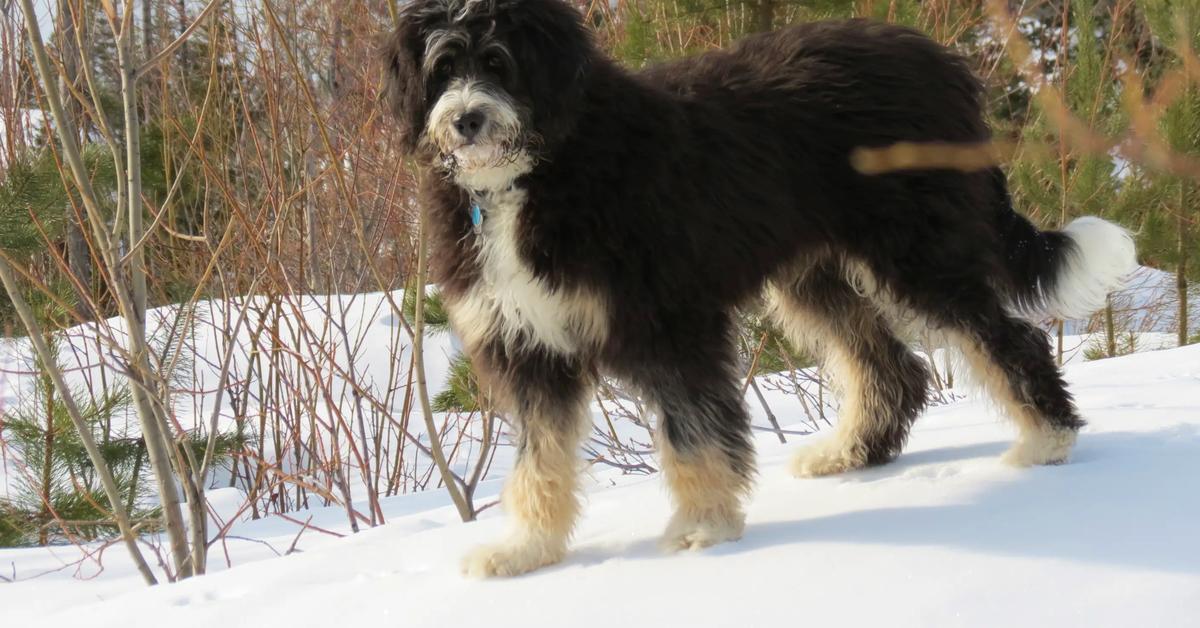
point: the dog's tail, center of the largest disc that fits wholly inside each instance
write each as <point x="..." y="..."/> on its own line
<point x="1061" y="274"/>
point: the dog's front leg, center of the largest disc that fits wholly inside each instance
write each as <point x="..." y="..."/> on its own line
<point x="549" y="396"/>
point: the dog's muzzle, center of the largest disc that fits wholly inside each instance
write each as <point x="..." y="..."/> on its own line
<point x="475" y="124"/>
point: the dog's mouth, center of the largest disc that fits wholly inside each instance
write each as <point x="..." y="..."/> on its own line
<point x="473" y="156"/>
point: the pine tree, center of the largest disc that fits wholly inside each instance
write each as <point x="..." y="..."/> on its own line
<point x="1053" y="178"/>
<point x="1169" y="229"/>
<point x="60" y="484"/>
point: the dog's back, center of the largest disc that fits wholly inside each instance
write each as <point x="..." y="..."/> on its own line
<point x="880" y="83"/>
<point x="870" y="84"/>
<point x="796" y="104"/>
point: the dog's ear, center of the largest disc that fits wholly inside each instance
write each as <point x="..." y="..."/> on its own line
<point x="555" y="51"/>
<point x="404" y="81"/>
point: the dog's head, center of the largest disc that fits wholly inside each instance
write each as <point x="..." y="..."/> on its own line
<point x="485" y="84"/>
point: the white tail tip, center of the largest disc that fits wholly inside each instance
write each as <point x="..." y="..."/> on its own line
<point x="1103" y="258"/>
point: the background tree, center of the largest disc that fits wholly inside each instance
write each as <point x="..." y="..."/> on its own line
<point x="1169" y="222"/>
<point x="1055" y="178"/>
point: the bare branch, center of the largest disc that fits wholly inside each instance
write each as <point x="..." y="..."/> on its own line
<point x="179" y="41"/>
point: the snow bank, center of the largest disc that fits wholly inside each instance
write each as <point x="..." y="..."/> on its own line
<point x="945" y="536"/>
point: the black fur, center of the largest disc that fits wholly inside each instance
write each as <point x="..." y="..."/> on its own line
<point x="1033" y="257"/>
<point x="677" y="192"/>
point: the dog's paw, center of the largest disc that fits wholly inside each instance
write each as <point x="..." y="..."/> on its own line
<point x="510" y="559"/>
<point x="825" y="458"/>
<point x="693" y="533"/>
<point x="1051" y="446"/>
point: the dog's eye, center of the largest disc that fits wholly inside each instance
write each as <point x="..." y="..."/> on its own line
<point x="443" y="68"/>
<point x="494" y="63"/>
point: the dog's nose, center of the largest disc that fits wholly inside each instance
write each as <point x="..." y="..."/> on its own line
<point x="469" y="124"/>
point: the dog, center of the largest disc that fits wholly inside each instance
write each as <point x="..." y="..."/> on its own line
<point x="587" y="219"/>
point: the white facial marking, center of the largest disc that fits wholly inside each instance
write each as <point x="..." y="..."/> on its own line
<point x="495" y="147"/>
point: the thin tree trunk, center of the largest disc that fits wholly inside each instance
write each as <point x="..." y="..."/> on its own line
<point x="311" y="264"/>
<point x="465" y="511"/>
<point x="1181" y="282"/>
<point x="47" y="462"/>
<point x="183" y="23"/>
<point x="1110" y="331"/>
<point x="820" y="394"/>
<point x="147" y="27"/>
<point x="147" y="50"/>
<point x="1061" y="326"/>
<point x="765" y="15"/>
<point x="949" y="369"/>
<point x="762" y="400"/>
<point x="153" y="421"/>
<point x="78" y="258"/>
<point x="193" y="486"/>
<point x="135" y="479"/>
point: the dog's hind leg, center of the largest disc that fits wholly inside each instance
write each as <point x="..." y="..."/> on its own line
<point x="703" y="437"/>
<point x="883" y="385"/>
<point x="1012" y="359"/>
<point x="548" y="396"/>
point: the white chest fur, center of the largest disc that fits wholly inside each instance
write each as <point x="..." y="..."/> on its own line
<point x="510" y="302"/>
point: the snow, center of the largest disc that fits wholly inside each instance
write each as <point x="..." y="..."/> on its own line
<point x="1147" y="303"/>
<point x="374" y="342"/>
<point x="947" y="535"/>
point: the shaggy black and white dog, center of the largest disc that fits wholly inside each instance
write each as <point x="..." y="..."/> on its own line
<point x="589" y="219"/>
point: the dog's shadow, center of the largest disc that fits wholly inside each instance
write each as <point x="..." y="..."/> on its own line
<point x="1109" y="506"/>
